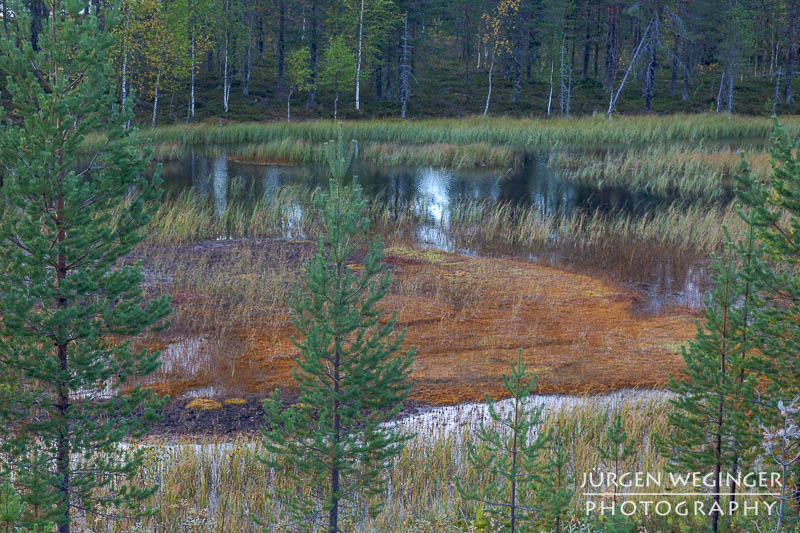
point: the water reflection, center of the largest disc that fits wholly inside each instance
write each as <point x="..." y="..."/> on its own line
<point x="219" y="180"/>
<point x="401" y="187"/>
<point x="433" y="194"/>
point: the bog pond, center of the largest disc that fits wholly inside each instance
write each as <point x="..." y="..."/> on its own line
<point x="661" y="278"/>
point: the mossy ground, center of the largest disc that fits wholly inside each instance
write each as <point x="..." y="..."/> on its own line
<point x="466" y="317"/>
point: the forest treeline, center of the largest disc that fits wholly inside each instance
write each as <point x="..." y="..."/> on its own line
<point x="185" y="60"/>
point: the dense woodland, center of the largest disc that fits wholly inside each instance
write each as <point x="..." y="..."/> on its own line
<point x="188" y="60"/>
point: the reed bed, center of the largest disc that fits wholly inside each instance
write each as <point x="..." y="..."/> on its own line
<point x="666" y="172"/>
<point x="287" y="213"/>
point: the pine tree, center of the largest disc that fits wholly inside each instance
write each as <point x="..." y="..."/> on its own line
<point x="331" y="445"/>
<point x="615" y="450"/>
<point x="509" y="452"/>
<point x="773" y="209"/>
<point x="772" y="212"/>
<point x="554" y="493"/>
<point x="68" y="308"/>
<point x="711" y="430"/>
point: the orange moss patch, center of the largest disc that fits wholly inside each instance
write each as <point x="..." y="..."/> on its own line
<point x="204" y="404"/>
<point x="468" y="317"/>
<point x="235" y="401"/>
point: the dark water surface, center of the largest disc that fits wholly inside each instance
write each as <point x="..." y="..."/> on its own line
<point x="532" y="184"/>
<point x="661" y="282"/>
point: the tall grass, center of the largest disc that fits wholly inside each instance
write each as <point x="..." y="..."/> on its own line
<point x="292" y="151"/>
<point x="526" y="134"/>
<point x="467" y="224"/>
<point x="220" y="485"/>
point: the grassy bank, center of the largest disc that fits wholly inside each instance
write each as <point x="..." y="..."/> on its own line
<point x="517" y="134"/>
<point x="293" y="151"/>
<point x="220" y="485"/>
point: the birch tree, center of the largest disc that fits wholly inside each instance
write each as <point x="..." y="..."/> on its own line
<point x="298" y="75"/>
<point x="495" y="39"/>
<point x="368" y="23"/>
<point x="198" y="15"/>
<point x="337" y="69"/>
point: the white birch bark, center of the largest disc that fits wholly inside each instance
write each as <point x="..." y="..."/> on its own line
<point x="358" y="62"/>
<point x="125" y="76"/>
<point x="125" y="82"/>
<point x="491" y="70"/>
<point x="226" y="89"/>
<point x="550" y="98"/>
<point x="614" y="97"/>
<point x="155" y="100"/>
<point x="191" y="90"/>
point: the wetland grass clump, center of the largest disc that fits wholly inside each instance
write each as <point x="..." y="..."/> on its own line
<point x="663" y="171"/>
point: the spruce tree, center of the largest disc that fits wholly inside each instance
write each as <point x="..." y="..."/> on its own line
<point x="67" y="307"/>
<point x="509" y="452"/>
<point x="352" y="377"/>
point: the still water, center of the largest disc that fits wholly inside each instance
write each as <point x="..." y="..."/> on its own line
<point x="660" y="281"/>
<point x="437" y="188"/>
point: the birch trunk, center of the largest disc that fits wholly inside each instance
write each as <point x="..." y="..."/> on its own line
<point x="614" y="97"/>
<point x="226" y="89"/>
<point x="550" y="97"/>
<point x="719" y="93"/>
<point x="777" y="95"/>
<point x="125" y="76"/>
<point x="288" y="106"/>
<point x="489" y="94"/>
<point x="358" y="61"/>
<point x="155" y="100"/>
<point x="125" y="82"/>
